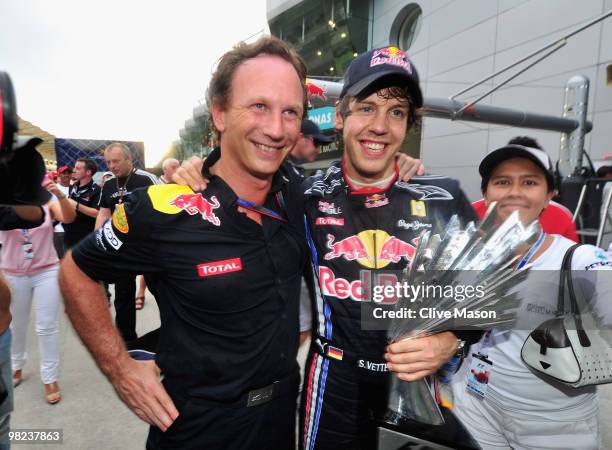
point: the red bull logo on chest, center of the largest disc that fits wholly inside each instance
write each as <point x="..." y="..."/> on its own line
<point x="374" y="249"/>
<point x="196" y="204"/>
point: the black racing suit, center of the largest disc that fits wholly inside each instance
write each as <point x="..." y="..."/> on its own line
<point x="349" y="231"/>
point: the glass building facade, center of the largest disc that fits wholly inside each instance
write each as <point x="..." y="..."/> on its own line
<point x="328" y="34"/>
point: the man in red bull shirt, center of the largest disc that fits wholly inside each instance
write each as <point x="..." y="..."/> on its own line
<point x="360" y="217"/>
<point x="225" y="267"/>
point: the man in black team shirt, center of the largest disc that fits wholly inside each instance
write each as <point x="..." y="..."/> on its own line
<point x="225" y="266"/>
<point x="85" y="197"/>
<point x="115" y="193"/>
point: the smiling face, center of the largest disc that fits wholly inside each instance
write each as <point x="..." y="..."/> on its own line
<point x="518" y="184"/>
<point x="261" y="122"/>
<point x="373" y="132"/>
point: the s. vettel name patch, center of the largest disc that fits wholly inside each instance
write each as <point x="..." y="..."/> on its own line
<point x="337" y="221"/>
<point x="220" y="267"/>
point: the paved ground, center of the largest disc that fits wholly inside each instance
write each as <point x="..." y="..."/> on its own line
<point x="90" y="413"/>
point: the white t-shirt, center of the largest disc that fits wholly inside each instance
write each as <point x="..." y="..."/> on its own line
<point x="512" y="386"/>
<point x="59" y="228"/>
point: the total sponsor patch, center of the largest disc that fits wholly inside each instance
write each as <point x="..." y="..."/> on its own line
<point x="220" y="267"/>
<point x="333" y="221"/>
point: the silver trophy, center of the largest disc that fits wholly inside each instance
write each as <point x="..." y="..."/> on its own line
<point x="485" y="257"/>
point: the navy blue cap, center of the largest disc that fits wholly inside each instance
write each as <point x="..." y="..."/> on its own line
<point x="312" y="130"/>
<point x="387" y="66"/>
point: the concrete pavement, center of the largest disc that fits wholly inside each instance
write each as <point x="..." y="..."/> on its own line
<point x="90" y="413"/>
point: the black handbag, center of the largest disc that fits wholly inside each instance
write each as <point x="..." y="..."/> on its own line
<point x="569" y="348"/>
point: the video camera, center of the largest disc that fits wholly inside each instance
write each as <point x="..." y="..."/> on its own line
<point x="21" y="167"/>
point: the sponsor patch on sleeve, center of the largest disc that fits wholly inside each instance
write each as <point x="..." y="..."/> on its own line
<point x="110" y="237"/>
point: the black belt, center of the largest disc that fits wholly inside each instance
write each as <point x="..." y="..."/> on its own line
<point x="255" y="397"/>
<point x="326" y="348"/>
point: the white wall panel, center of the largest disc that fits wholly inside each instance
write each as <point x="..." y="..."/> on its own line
<point x="447" y="22"/>
<point x="537" y="18"/>
<point x="462" y="48"/>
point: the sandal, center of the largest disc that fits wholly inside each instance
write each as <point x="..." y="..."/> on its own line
<point x="140" y="301"/>
<point x="53" y="394"/>
<point x="17" y="378"/>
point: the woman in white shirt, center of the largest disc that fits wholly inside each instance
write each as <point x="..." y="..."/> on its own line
<point x="518" y="409"/>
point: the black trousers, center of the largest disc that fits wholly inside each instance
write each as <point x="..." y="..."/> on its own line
<point x="340" y="404"/>
<point x="200" y="425"/>
<point x="125" y="307"/>
<point x="58" y="243"/>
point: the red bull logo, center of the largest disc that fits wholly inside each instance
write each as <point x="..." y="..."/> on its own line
<point x="376" y="200"/>
<point x="374" y="249"/>
<point x="358" y="290"/>
<point x="315" y="91"/>
<point x="391" y="55"/>
<point x="395" y="249"/>
<point x="196" y="204"/>
<point x="350" y="248"/>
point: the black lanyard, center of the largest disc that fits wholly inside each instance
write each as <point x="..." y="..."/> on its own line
<point x="263" y="210"/>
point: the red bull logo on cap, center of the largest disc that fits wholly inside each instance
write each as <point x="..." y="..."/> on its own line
<point x="374" y="249"/>
<point x="196" y="204"/>
<point x="391" y="55"/>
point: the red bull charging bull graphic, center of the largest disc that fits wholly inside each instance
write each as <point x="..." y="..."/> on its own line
<point x="374" y="249"/>
<point x="196" y="204"/>
<point x="315" y="91"/>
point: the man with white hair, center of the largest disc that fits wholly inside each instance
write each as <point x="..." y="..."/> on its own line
<point x="169" y="166"/>
<point x="115" y="192"/>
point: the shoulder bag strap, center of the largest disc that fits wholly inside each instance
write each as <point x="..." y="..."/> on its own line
<point x="564" y="275"/>
<point x="575" y="310"/>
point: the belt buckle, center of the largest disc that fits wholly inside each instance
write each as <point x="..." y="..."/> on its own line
<point x="260" y="396"/>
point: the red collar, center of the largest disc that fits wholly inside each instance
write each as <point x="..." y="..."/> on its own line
<point x="368" y="190"/>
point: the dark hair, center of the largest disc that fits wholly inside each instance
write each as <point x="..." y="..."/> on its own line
<point x="90" y="164"/>
<point x="219" y="89"/>
<point x="386" y="93"/>
<point x="604" y="171"/>
<point x="525" y="141"/>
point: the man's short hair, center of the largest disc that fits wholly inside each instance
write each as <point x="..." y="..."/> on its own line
<point x="604" y="171"/>
<point x="124" y="148"/>
<point x="219" y="89"/>
<point x="168" y="161"/>
<point x="89" y="164"/>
